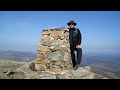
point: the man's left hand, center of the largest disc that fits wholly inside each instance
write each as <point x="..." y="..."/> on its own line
<point x="78" y="46"/>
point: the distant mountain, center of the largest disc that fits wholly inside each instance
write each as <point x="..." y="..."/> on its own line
<point x="17" y="56"/>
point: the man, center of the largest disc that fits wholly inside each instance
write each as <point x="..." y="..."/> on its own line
<point x="75" y="42"/>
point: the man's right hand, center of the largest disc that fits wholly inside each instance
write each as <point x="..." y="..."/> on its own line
<point x="78" y="46"/>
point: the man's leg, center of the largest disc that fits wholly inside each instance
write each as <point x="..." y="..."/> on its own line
<point x="79" y="57"/>
<point x="73" y="56"/>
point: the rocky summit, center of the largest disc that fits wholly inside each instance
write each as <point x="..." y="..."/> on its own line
<point x="20" y="70"/>
<point x="53" y="60"/>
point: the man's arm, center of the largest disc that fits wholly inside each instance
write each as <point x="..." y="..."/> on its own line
<point x="79" y="37"/>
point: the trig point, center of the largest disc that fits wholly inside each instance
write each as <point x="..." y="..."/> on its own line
<point x="54" y="51"/>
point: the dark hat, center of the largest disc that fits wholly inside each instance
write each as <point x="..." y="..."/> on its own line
<point x="71" y="22"/>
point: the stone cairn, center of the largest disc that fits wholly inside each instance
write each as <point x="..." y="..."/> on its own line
<point x="54" y="51"/>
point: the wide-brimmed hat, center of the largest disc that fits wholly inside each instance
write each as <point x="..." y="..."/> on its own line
<point x="71" y="22"/>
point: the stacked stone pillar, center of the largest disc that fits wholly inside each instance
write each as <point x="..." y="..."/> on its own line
<point x="54" y="50"/>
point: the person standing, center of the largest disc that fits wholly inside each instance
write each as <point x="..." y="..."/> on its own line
<point x="75" y="44"/>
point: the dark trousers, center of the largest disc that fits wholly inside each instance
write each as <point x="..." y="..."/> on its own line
<point x="79" y="55"/>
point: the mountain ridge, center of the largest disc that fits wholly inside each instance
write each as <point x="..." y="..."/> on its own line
<point x="17" y="55"/>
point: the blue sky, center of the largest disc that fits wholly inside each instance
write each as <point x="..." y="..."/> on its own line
<point x="21" y="30"/>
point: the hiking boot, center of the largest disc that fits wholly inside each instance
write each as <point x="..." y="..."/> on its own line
<point x="76" y="66"/>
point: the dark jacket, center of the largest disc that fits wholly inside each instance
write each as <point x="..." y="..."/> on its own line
<point x="75" y="36"/>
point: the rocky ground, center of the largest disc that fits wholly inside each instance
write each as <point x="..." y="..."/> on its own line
<point x="20" y="70"/>
<point x="7" y="67"/>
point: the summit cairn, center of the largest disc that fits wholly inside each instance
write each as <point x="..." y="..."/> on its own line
<point x="54" y="51"/>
